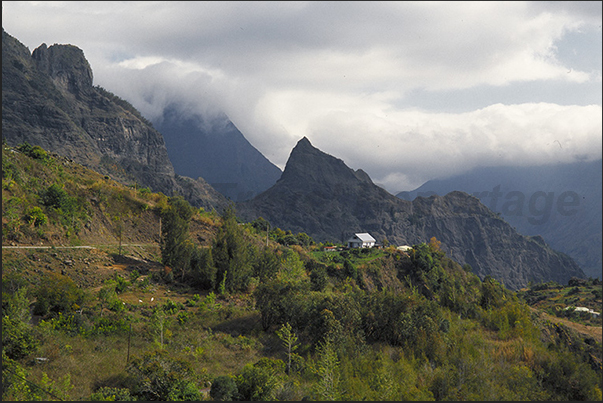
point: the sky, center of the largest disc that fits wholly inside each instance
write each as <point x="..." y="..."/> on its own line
<point x="406" y="91"/>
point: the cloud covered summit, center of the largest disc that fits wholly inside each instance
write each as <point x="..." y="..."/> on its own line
<point x="407" y="91"/>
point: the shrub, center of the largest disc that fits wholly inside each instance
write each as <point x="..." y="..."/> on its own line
<point x="36" y="217"/>
<point x="17" y="339"/>
<point x="261" y="380"/>
<point x="58" y="293"/>
<point x="35" y="152"/>
<point x="56" y="197"/>
<point x="182" y="317"/>
<point x="106" y="393"/>
<point x="121" y="284"/>
<point x="170" y="307"/>
<point x="157" y="376"/>
<point x="224" y="388"/>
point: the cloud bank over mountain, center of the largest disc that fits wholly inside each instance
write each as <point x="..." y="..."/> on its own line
<point x="407" y="91"/>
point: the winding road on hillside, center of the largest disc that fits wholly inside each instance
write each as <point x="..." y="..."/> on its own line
<point x="73" y="247"/>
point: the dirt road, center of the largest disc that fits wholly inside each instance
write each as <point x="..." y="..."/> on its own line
<point x="592" y="331"/>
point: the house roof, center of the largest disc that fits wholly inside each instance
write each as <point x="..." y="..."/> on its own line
<point x="364" y="237"/>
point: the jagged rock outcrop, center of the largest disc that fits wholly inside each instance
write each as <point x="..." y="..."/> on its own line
<point x="66" y="65"/>
<point x="213" y="147"/>
<point x="319" y="195"/>
<point x="48" y="100"/>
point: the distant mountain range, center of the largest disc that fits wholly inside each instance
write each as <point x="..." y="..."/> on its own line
<point x="320" y="195"/>
<point x="48" y="100"/>
<point x="214" y="149"/>
<point x="561" y="203"/>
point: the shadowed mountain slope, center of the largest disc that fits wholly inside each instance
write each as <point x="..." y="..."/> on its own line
<point x="561" y="203"/>
<point x="214" y="149"/>
<point x="48" y="100"/>
<point x="320" y="195"/>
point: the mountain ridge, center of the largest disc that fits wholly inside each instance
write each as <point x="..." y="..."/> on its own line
<point x="561" y="203"/>
<point x="48" y="100"/>
<point x="319" y="195"/>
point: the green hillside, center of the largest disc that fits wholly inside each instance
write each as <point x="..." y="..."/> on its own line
<point x="124" y="294"/>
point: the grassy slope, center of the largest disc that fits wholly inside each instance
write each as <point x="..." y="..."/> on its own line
<point x="216" y="338"/>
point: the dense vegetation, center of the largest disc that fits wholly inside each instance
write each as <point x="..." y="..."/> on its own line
<point x="250" y="312"/>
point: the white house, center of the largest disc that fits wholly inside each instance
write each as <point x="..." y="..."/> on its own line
<point x="584" y="309"/>
<point x="361" y="240"/>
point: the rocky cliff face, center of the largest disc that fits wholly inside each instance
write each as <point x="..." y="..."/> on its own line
<point x="319" y="195"/>
<point x="48" y="100"/>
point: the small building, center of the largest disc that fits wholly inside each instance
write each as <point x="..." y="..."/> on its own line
<point x="361" y="240"/>
<point x="404" y="248"/>
<point x="584" y="309"/>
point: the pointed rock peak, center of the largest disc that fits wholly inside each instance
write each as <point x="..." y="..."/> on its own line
<point x="303" y="146"/>
<point x="308" y="166"/>
<point x="304" y="142"/>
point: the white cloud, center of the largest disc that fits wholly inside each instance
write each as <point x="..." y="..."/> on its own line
<point x="406" y="91"/>
<point x="409" y="147"/>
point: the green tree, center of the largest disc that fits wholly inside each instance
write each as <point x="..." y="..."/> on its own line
<point x="231" y="254"/>
<point x="267" y="265"/>
<point x="292" y="269"/>
<point x="492" y="293"/>
<point x="261" y="381"/>
<point x="106" y="294"/>
<point x="304" y="239"/>
<point x="319" y="278"/>
<point x="159" y="377"/>
<point x="203" y="268"/>
<point x="58" y="293"/>
<point x="35" y="152"/>
<point x="55" y="196"/>
<point x="176" y="247"/>
<point x="289" y="340"/>
<point x="17" y="338"/>
<point x="224" y="388"/>
<point x="327" y="370"/>
<point x="159" y="325"/>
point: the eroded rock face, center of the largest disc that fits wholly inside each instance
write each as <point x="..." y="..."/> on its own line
<point x="319" y="195"/>
<point x="560" y="202"/>
<point x="66" y="65"/>
<point x="48" y="99"/>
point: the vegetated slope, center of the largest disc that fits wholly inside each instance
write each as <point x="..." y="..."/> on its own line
<point x="50" y="200"/>
<point x="561" y="203"/>
<point x="48" y="99"/>
<point x="319" y="195"/>
<point x="384" y="324"/>
<point x="388" y="325"/>
<point x="561" y="301"/>
<point x="212" y="147"/>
